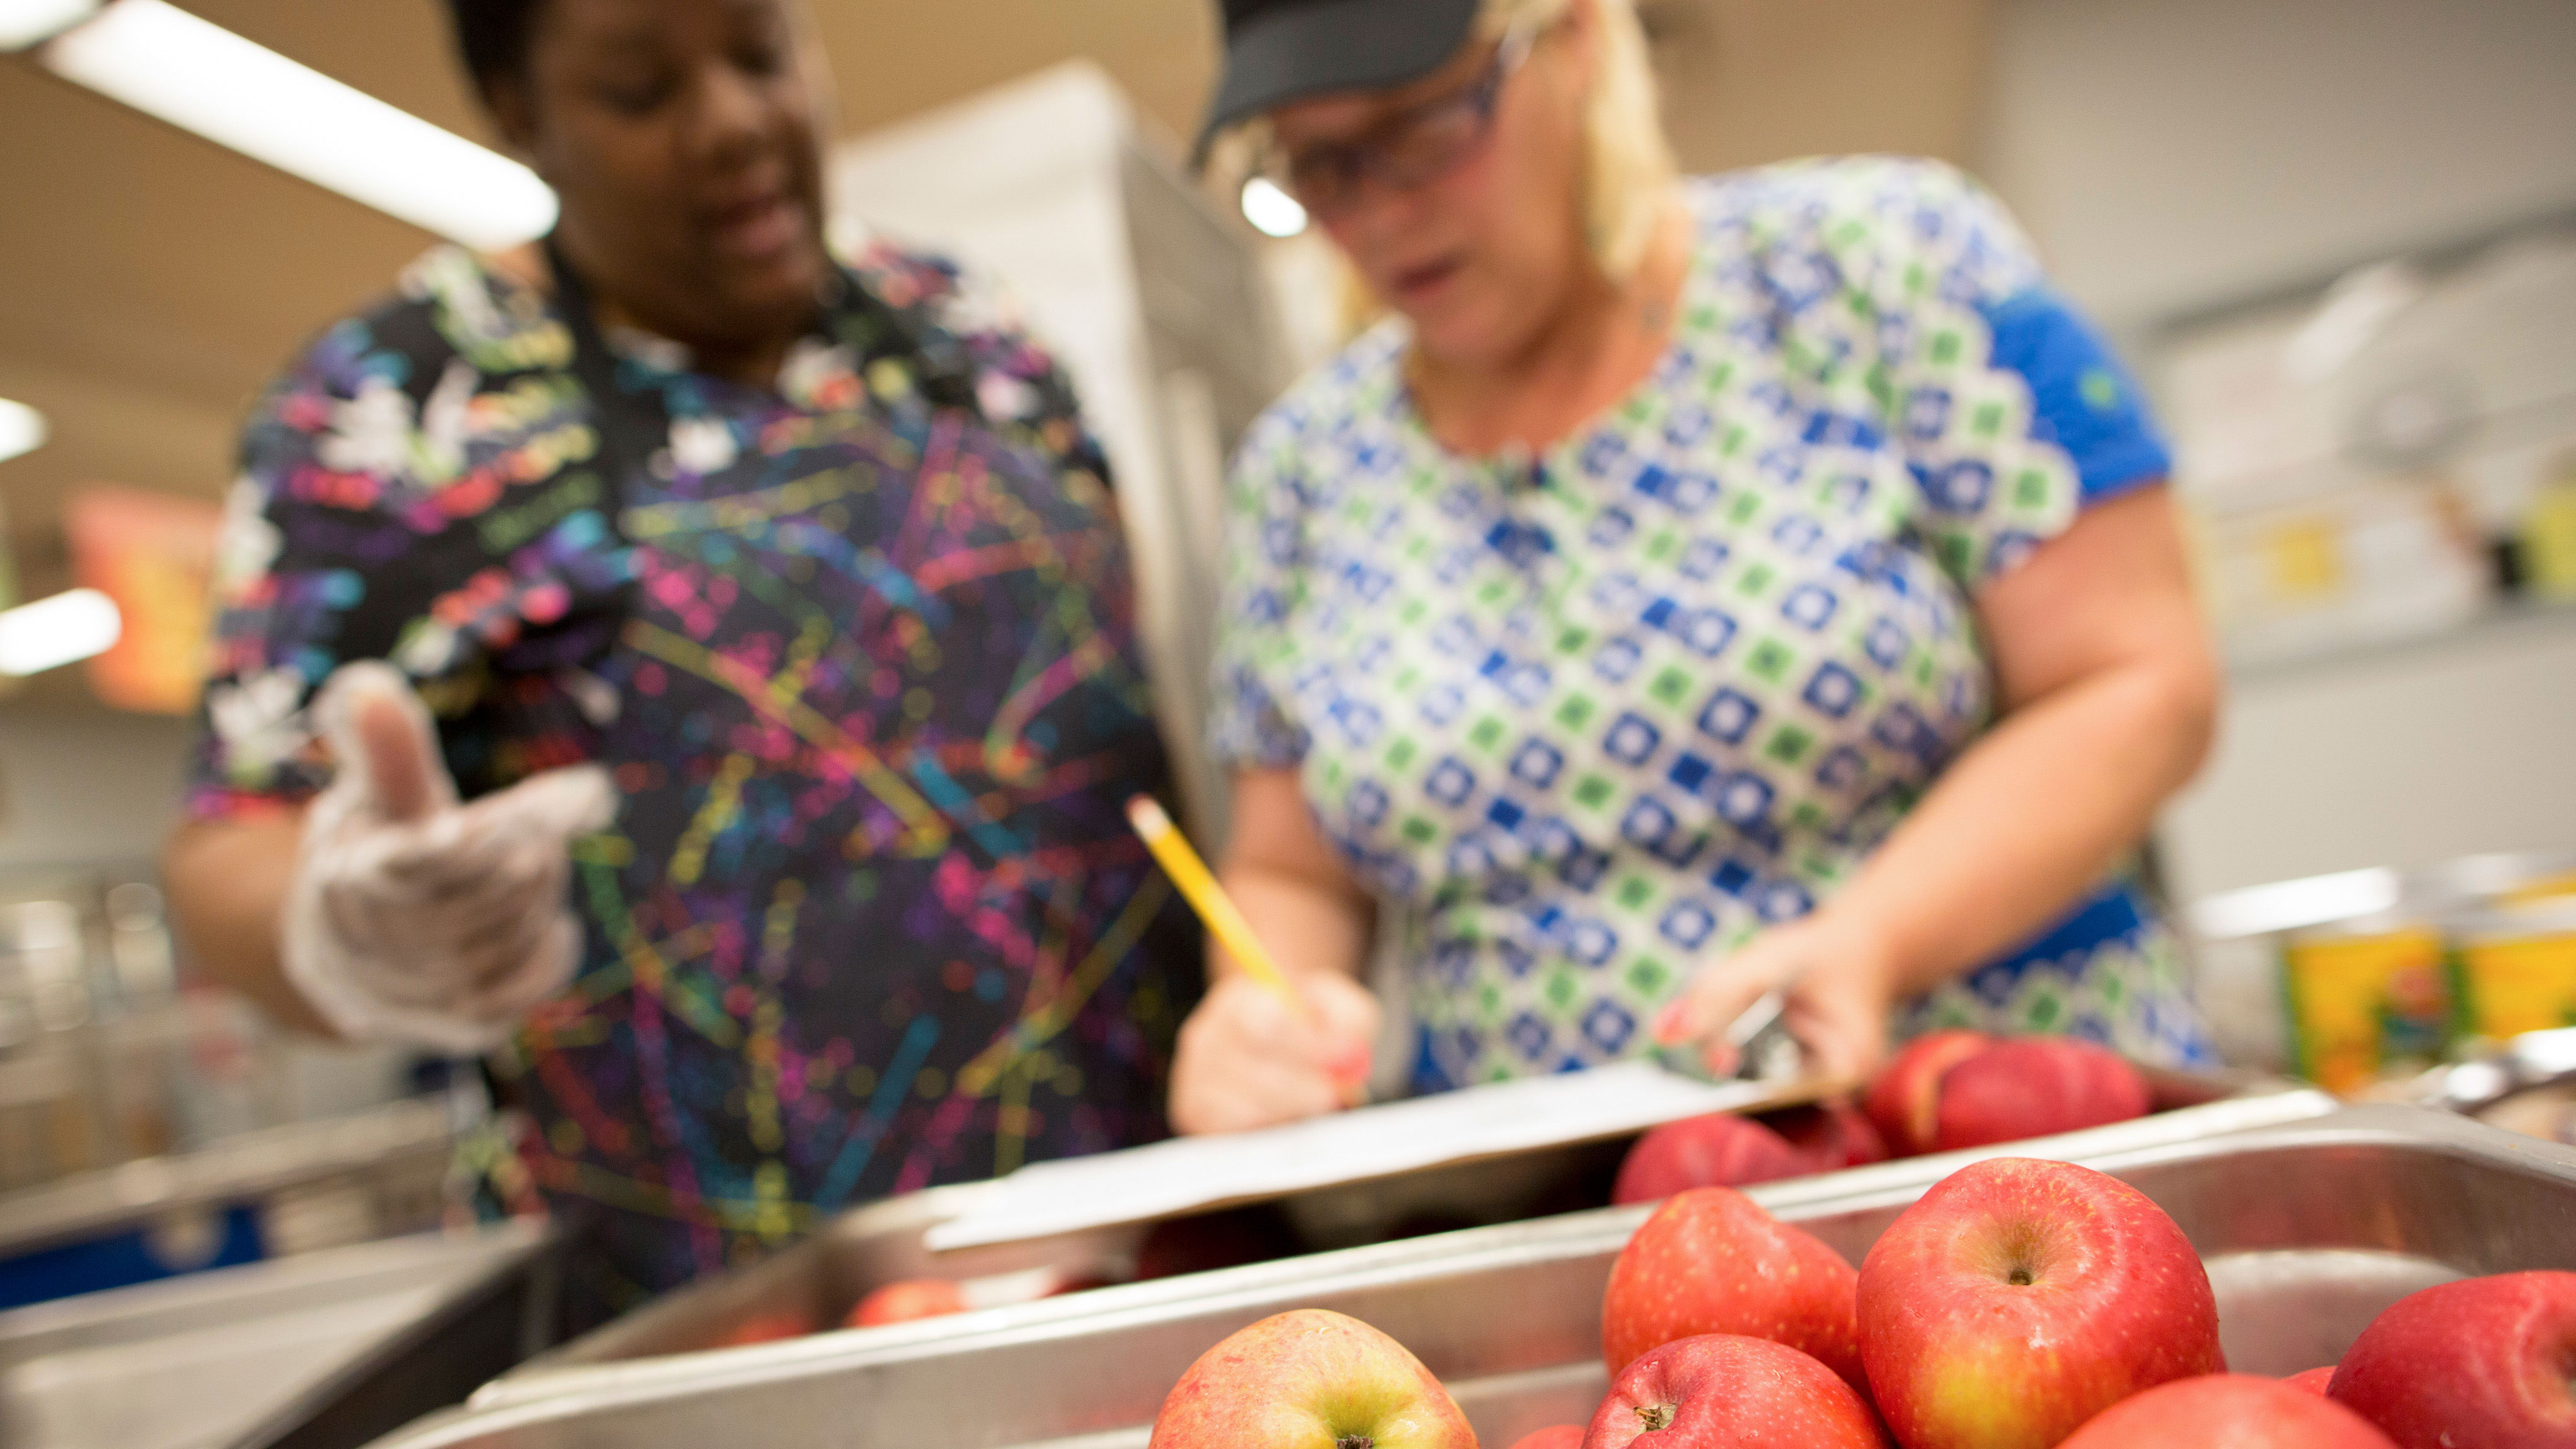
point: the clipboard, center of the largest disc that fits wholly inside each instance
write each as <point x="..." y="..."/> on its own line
<point x="1198" y="1174"/>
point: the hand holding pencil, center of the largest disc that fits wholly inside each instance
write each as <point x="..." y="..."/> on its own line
<point x="1268" y="1044"/>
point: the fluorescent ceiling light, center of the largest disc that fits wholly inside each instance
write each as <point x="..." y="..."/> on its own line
<point x="22" y="429"/>
<point x="59" y="630"/>
<point x="1271" y="211"/>
<point x="24" y="22"/>
<point x="203" y="78"/>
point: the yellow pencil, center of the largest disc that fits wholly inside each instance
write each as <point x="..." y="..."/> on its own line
<point x="1181" y="862"/>
<point x="1198" y="886"/>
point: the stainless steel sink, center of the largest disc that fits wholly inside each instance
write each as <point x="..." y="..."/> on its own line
<point x="2309" y="1229"/>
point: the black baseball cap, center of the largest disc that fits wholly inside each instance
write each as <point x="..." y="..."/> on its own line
<point x="1277" y="51"/>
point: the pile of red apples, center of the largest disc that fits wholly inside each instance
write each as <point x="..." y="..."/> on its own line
<point x="2018" y="1304"/>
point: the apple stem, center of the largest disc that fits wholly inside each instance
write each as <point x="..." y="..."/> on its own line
<point x="1656" y="1416"/>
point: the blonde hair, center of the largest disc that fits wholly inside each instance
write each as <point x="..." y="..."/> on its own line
<point x="1628" y="168"/>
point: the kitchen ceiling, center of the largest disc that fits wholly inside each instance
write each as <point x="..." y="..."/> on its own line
<point x="150" y="282"/>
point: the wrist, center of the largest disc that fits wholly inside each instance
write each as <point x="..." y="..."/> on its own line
<point x="1869" y="949"/>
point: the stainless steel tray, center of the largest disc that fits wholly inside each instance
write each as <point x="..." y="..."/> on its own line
<point x="321" y="1351"/>
<point x="817" y="1281"/>
<point x="874" y="1244"/>
<point x="2309" y="1229"/>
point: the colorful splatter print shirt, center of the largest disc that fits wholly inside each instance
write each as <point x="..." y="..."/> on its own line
<point x="859" y="654"/>
<point x="1588" y="719"/>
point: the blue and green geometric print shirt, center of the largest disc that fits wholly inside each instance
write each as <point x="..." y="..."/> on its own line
<point x="1588" y="719"/>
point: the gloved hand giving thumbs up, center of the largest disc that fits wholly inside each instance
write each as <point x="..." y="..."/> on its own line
<point x="412" y="918"/>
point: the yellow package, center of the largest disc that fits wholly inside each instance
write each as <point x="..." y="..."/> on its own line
<point x="2549" y="534"/>
<point x="2363" y="1002"/>
<point x="2518" y="975"/>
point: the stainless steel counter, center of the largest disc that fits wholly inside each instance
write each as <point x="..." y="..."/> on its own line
<point x="389" y="1163"/>
<point x="321" y="1351"/>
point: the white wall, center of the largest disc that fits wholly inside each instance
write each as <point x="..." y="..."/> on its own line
<point x="2170" y="155"/>
<point x="2405" y="757"/>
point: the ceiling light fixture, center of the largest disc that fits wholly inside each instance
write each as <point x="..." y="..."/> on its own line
<point x="22" y="429"/>
<point x="1272" y="211"/>
<point x="200" y="77"/>
<point x="24" y="22"/>
<point x="63" y="629"/>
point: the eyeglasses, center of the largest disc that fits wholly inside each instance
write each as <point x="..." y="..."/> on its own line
<point x="1414" y="148"/>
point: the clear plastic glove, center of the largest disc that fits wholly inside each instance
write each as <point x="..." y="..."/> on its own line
<point x="1248" y="1059"/>
<point x="1838" y="985"/>
<point x="412" y="918"/>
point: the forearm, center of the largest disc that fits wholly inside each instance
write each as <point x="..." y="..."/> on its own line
<point x="1306" y="923"/>
<point x="227" y="882"/>
<point x="2030" y="816"/>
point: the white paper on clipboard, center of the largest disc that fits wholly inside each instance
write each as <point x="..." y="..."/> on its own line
<point x="1047" y="1198"/>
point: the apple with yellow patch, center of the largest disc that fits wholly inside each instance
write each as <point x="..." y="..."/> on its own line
<point x="1309" y="1379"/>
<point x="2019" y="1298"/>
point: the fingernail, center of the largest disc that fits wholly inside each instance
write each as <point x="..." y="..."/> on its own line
<point x="1351" y="1066"/>
<point x="1722" y="1060"/>
<point x="1668" y="1025"/>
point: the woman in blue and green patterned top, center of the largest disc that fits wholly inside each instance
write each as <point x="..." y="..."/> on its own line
<point x="1692" y="589"/>
<point x="732" y="681"/>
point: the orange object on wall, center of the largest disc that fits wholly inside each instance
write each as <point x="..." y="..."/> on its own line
<point x="152" y="553"/>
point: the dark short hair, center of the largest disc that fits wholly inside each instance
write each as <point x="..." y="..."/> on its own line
<point x="492" y="37"/>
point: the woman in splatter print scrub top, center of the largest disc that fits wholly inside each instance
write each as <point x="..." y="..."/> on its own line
<point x="695" y="671"/>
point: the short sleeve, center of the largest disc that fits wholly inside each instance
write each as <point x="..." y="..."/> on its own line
<point x="2007" y="405"/>
<point x="1251" y="721"/>
<point x="279" y="614"/>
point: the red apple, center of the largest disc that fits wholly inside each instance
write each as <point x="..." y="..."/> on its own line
<point x="906" y="1300"/>
<point x="1726" y="1391"/>
<point x="1557" y="1436"/>
<point x="1718" y="1150"/>
<point x="765" y="1328"/>
<point x="2312" y="1381"/>
<point x="2478" y="1364"/>
<point x="1709" y="1261"/>
<point x="2032" y="1086"/>
<point x="1309" y="1378"/>
<point x="1834" y="1135"/>
<point x="1902" y="1096"/>
<point x="2227" y="1411"/>
<point x="2017" y="1299"/>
